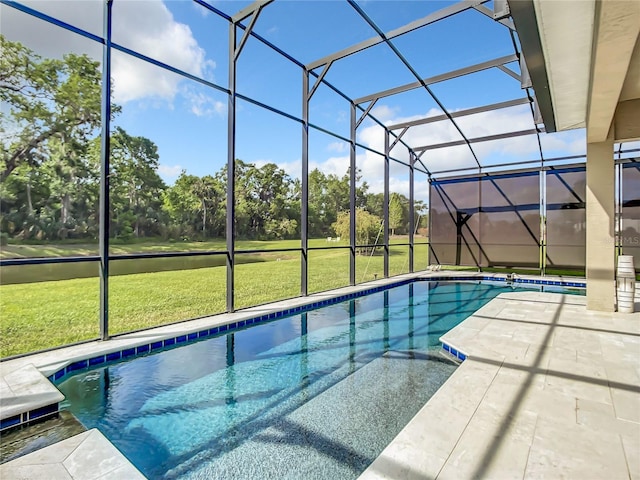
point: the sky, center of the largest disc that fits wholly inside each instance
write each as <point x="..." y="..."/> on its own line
<point x="188" y="120"/>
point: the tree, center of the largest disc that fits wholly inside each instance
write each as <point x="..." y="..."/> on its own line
<point x="196" y="204"/>
<point x="375" y="204"/>
<point x="396" y="212"/>
<point x="267" y="200"/>
<point x="422" y="217"/>
<point x="48" y="172"/>
<point x="47" y="98"/>
<point x="318" y="204"/>
<point x="367" y="228"/>
<point x="136" y="187"/>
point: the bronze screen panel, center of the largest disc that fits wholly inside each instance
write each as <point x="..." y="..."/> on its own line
<point x="510" y="220"/>
<point x="566" y="218"/>
<point x="454" y="231"/>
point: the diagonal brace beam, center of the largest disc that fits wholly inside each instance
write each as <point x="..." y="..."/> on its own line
<point x="366" y="112"/>
<point x="510" y="72"/>
<point x="319" y="79"/>
<point x="398" y="138"/>
<point x="247" y="32"/>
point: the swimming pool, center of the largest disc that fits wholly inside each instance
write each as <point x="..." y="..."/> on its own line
<point x="313" y="395"/>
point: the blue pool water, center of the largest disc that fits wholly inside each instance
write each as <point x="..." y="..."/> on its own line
<point x="314" y="395"/>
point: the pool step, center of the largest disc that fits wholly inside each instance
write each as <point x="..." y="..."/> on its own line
<point x="22" y="441"/>
<point x="26" y="395"/>
<point x="337" y="433"/>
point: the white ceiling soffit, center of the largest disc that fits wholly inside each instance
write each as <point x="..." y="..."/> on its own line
<point x="631" y="87"/>
<point x="566" y="33"/>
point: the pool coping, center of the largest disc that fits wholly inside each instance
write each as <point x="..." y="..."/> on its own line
<point x="24" y="401"/>
<point x="86" y="455"/>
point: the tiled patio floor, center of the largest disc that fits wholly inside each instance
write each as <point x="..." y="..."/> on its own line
<point x="88" y="455"/>
<point x="549" y="390"/>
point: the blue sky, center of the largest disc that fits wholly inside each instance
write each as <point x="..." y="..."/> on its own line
<point x="188" y="121"/>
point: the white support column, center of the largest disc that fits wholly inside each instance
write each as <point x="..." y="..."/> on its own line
<point x="601" y="293"/>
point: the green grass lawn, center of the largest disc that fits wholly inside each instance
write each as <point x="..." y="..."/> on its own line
<point x="74" y="249"/>
<point x="150" y="246"/>
<point x="49" y="314"/>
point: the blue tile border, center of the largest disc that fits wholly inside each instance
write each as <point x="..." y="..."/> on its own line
<point x="454" y="352"/>
<point x="191" y="337"/>
<point x="559" y="283"/>
<point x="184" y="339"/>
<point x="96" y="360"/>
<point x="27" y="417"/>
<point x="43" y="411"/>
<point x="10" y="422"/>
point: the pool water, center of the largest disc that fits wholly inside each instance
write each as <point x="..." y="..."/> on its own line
<point x="314" y="395"/>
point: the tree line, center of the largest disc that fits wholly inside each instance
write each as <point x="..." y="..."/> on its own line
<point x="50" y="172"/>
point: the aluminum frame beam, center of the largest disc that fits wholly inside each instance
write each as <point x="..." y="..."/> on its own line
<point x="105" y="147"/>
<point x="231" y="168"/>
<point x="478" y="67"/>
<point x="486" y="138"/>
<point x="409" y="67"/>
<point x="492" y="14"/>
<point x="352" y="197"/>
<point x="304" y="201"/>
<point x="442" y="174"/>
<point x="385" y="208"/>
<point x="460" y="113"/>
<point x="319" y="79"/>
<point x="412" y="208"/>
<point x="525" y="20"/>
<point x="249" y="10"/>
<point x="431" y="18"/>
<point x="365" y="113"/>
<point x="511" y="73"/>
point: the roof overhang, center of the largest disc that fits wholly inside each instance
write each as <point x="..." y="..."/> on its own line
<point x="584" y="62"/>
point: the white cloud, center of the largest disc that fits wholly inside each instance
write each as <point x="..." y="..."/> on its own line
<point x="169" y="172"/>
<point x="339" y="147"/>
<point x="572" y="142"/>
<point x="384" y="112"/>
<point x="399" y="186"/>
<point x="201" y="10"/>
<point x="293" y="168"/>
<point x="203" y="105"/>
<point x="149" y="28"/>
<point x="371" y="165"/>
<point x="473" y="126"/>
<point x="332" y="165"/>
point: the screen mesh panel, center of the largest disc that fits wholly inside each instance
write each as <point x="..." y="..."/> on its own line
<point x="510" y="220"/>
<point x="630" y="215"/>
<point x="566" y="218"/>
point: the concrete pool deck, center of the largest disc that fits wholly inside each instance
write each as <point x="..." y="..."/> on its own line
<point x="88" y="455"/>
<point x="548" y="390"/>
<point x="540" y="370"/>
